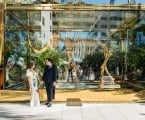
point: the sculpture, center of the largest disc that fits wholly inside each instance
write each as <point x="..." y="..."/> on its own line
<point x="54" y="41"/>
<point x="89" y="46"/>
<point x="107" y="54"/>
<point x="69" y="47"/>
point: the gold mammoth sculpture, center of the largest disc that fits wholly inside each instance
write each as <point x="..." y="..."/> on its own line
<point x="103" y="68"/>
<point x="53" y="41"/>
<point x="38" y="50"/>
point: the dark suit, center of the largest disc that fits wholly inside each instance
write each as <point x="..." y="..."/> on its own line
<point x="49" y="77"/>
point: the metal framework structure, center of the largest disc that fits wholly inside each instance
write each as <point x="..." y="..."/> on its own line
<point x="76" y="7"/>
<point x="72" y="7"/>
<point x="65" y="7"/>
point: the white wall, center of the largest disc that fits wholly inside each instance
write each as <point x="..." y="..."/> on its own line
<point x="46" y="20"/>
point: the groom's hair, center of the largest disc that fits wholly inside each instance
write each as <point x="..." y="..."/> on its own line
<point x="49" y="59"/>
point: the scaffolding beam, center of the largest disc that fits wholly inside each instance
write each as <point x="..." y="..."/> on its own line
<point x="70" y="7"/>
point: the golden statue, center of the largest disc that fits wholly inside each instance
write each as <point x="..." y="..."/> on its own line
<point x="103" y="68"/>
<point x="54" y="41"/>
<point x="69" y="48"/>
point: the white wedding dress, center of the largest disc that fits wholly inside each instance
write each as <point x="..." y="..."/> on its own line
<point x="35" y="100"/>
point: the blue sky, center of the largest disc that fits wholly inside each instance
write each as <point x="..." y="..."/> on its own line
<point x="105" y="1"/>
<point x="108" y="1"/>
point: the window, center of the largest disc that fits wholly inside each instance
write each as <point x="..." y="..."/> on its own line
<point x="104" y="34"/>
<point x="113" y="26"/>
<point x="103" y="26"/>
<point x="103" y="18"/>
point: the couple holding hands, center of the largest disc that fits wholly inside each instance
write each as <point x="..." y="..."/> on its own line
<point x="48" y="79"/>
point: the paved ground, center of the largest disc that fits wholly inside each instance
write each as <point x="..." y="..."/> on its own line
<point x="108" y="104"/>
<point x="111" y="103"/>
<point x="93" y="111"/>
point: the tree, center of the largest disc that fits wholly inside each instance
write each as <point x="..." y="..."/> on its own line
<point x="54" y="54"/>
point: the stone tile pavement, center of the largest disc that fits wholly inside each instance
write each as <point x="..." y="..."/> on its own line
<point x="60" y="111"/>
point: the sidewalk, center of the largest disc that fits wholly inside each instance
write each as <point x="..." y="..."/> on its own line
<point x="96" y="104"/>
<point x="94" y="111"/>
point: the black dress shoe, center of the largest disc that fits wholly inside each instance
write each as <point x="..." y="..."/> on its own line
<point x="49" y="105"/>
<point x="46" y="103"/>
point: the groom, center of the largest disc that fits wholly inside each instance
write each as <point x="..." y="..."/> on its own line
<point x="49" y="79"/>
